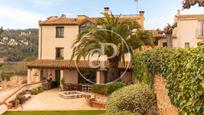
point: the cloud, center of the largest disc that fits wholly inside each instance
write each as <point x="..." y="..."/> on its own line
<point x="14" y="16"/>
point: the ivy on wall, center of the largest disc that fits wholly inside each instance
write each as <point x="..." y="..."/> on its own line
<point x="183" y="70"/>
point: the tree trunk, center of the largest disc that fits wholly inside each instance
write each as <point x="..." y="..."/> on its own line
<point x="113" y="71"/>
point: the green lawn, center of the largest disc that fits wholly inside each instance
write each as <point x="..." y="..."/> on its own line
<point x="88" y="112"/>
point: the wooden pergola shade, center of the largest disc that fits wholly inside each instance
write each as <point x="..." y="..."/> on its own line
<point x="71" y="64"/>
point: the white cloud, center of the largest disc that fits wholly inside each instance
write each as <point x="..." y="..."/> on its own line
<point x="13" y="16"/>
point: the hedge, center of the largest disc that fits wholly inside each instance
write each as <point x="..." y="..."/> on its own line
<point x="184" y="71"/>
<point x="106" y="89"/>
<point x="138" y="98"/>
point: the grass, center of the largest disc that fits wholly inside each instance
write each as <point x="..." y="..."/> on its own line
<point x="85" y="112"/>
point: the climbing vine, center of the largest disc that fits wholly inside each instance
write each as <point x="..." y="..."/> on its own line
<point x="183" y="70"/>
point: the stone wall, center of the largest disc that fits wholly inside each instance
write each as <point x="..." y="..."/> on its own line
<point x="163" y="101"/>
<point x="14" y="82"/>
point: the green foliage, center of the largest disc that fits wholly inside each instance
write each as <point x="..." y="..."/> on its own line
<point x="29" y="58"/>
<point x="34" y="91"/>
<point x="19" y="44"/>
<point x="115" y="31"/>
<point x="100" y="89"/>
<point x="106" y="89"/>
<point x="138" y="98"/>
<point x="71" y="112"/>
<point x="6" y="75"/>
<point x="111" y="87"/>
<point x="121" y="113"/>
<point x="184" y="71"/>
<point x="37" y="90"/>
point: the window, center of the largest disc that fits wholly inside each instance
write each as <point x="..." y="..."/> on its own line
<point x="59" y="32"/>
<point x="187" y="45"/>
<point x="164" y="44"/>
<point x="59" y="53"/>
<point x="201" y="32"/>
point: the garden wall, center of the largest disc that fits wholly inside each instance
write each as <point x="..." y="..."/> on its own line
<point x="163" y="101"/>
<point x="183" y="71"/>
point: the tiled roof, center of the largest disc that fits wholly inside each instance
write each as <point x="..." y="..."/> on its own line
<point x="63" y="20"/>
<point x="155" y="33"/>
<point x="71" y="64"/>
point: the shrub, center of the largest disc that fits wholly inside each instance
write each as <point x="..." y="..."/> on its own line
<point x="100" y="89"/>
<point x="34" y="91"/>
<point x="183" y="70"/>
<point x="111" y="87"/>
<point x="136" y="98"/>
<point x="106" y="89"/>
<point x="40" y="89"/>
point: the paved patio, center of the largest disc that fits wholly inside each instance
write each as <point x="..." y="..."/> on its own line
<point x="50" y="101"/>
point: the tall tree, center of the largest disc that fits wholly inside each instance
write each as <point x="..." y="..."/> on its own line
<point x="188" y="3"/>
<point x="89" y="40"/>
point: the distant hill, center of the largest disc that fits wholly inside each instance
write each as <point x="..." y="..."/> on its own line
<point x="18" y="45"/>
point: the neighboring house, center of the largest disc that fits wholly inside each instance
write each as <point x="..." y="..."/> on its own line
<point x="56" y="36"/>
<point x="188" y="33"/>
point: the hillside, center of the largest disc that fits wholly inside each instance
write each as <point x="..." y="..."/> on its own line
<point x="18" y="45"/>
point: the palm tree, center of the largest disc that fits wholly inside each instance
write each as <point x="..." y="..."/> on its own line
<point x="188" y="3"/>
<point x="110" y="31"/>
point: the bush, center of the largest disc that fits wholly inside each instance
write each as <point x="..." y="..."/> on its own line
<point x="183" y="70"/>
<point x="40" y="89"/>
<point x="136" y="98"/>
<point x="106" y="89"/>
<point x="100" y="89"/>
<point x="111" y="87"/>
<point x="34" y="91"/>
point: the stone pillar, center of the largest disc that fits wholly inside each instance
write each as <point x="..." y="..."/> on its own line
<point x="98" y="80"/>
<point x="61" y="78"/>
<point x="29" y="76"/>
<point x="100" y="77"/>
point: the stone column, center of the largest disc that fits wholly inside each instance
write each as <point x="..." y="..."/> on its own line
<point x="100" y="77"/>
<point x="29" y="76"/>
<point x="98" y="80"/>
<point x="61" y="78"/>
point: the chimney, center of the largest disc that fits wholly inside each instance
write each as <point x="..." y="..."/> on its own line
<point x="106" y="10"/>
<point x="63" y="16"/>
<point x="178" y="12"/>
<point x="141" y="13"/>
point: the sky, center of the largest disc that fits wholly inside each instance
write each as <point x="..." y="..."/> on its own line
<point x="22" y="14"/>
